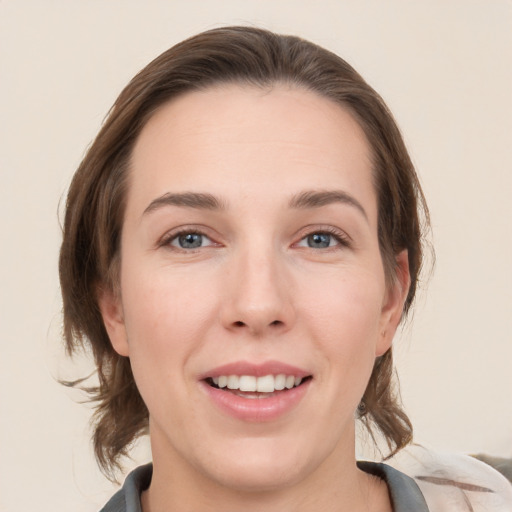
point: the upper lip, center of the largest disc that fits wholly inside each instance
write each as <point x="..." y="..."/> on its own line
<point x="257" y="370"/>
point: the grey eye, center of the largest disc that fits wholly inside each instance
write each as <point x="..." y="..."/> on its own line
<point x="319" y="240"/>
<point x="189" y="241"/>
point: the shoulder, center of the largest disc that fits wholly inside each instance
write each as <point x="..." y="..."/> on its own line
<point x="127" y="499"/>
<point x="454" y="481"/>
<point x="404" y="492"/>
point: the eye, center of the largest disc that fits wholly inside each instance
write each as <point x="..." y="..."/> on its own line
<point x="322" y="240"/>
<point x="319" y="240"/>
<point x="189" y="240"/>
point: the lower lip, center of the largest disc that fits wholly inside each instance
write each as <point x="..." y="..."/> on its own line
<point x="256" y="409"/>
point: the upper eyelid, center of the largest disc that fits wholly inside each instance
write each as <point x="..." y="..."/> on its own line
<point x="172" y="234"/>
<point x="331" y="230"/>
<point x="340" y="242"/>
<point x="187" y="228"/>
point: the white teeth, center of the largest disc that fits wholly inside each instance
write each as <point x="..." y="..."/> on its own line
<point x="247" y="383"/>
<point x="233" y="382"/>
<point x="265" y="384"/>
<point x="280" y="382"/>
<point x="251" y="384"/>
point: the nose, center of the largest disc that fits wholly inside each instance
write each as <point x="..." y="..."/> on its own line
<point x="258" y="295"/>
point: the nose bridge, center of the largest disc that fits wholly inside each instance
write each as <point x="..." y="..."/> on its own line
<point x="258" y="297"/>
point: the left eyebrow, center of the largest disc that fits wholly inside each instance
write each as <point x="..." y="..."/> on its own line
<point x="317" y="199"/>
<point x="186" y="199"/>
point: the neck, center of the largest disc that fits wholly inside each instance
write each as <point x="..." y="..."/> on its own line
<point x="336" y="485"/>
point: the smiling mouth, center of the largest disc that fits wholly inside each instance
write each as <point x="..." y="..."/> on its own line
<point x="252" y="387"/>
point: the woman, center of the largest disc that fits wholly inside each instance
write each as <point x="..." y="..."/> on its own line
<point x="240" y="243"/>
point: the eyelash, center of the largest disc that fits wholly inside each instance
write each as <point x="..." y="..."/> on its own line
<point x="342" y="238"/>
<point x="170" y="237"/>
<point x="339" y="236"/>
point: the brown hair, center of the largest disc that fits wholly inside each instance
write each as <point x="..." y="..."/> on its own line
<point x="89" y="257"/>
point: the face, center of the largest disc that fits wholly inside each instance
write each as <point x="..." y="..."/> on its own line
<point x="252" y="296"/>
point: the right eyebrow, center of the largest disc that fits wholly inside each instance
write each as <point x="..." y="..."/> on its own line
<point x="319" y="198"/>
<point x="198" y="200"/>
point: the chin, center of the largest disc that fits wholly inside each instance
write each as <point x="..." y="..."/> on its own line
<point x="259" y="476"/>
<point x="263" y="467"/>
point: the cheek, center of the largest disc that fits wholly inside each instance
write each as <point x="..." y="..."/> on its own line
<point x="346" y="304"/>
<point x="160" y="299"/>
<point x="343" y="319"/>
<point x="165" y="324"/>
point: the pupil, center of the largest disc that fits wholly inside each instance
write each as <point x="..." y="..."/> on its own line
<point x="190" y="240"/>
<point x="319" y="240"/>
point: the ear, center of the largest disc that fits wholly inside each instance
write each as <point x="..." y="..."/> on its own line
<point x="111" y="309"/>
<point x="393" y="305"/>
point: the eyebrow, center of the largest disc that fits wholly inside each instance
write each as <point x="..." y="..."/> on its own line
<point x="317" y="199"/>
<point x="303" y="200"/>
<point x="198" y="200"/>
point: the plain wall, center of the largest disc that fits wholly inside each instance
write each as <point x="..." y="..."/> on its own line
<point x="443" y="66"/>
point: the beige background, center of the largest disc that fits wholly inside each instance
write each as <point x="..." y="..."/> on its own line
<point x="444" y="67"/>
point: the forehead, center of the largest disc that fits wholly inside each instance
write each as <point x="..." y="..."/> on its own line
<point x="253" y="137"/>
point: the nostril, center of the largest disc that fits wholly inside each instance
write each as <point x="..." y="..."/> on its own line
<point x="255" y="326"/>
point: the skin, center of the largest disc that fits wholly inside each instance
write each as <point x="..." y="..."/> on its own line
<point x="255" y="290"/>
